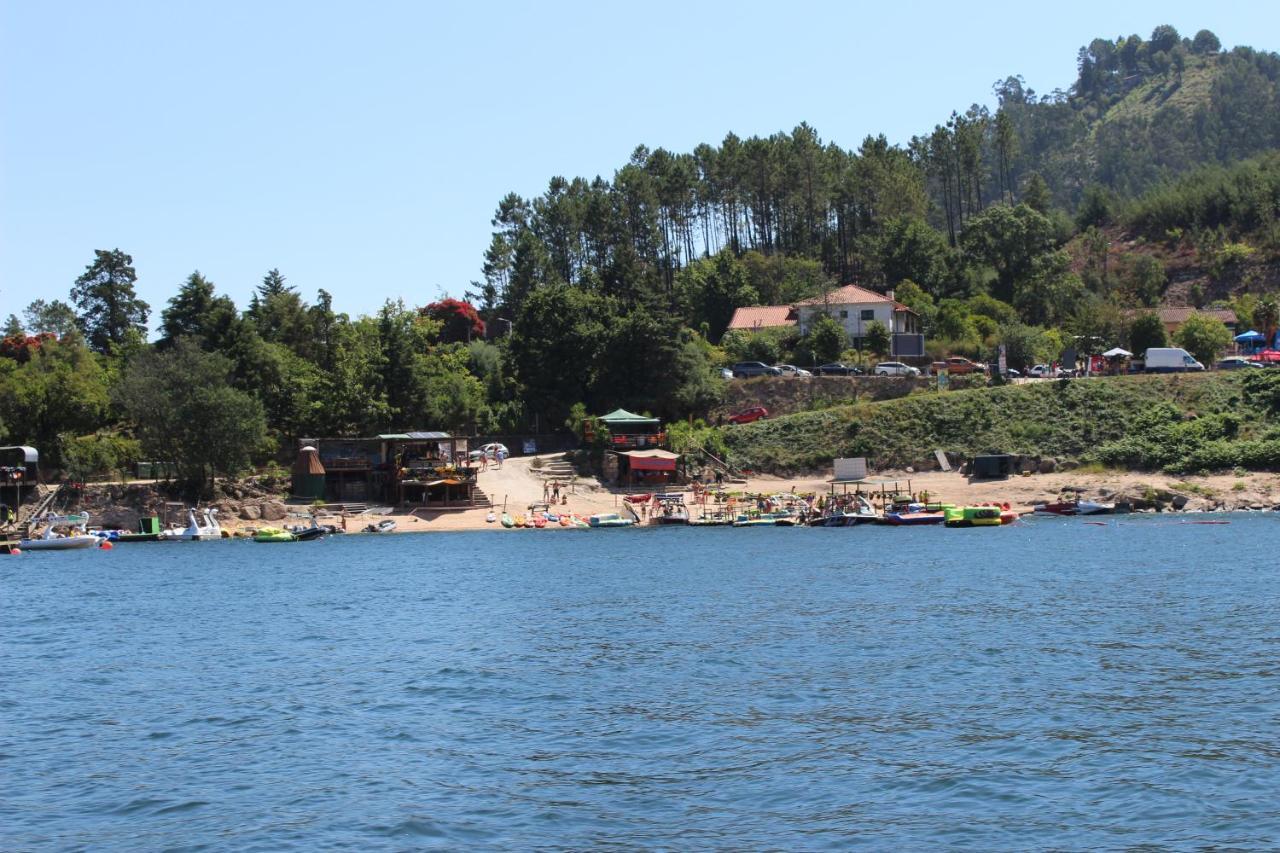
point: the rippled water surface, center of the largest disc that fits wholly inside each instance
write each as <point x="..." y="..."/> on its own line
<point x="1050" y="685"/>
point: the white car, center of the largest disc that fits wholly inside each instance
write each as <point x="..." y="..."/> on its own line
<point x="726" y="373"/>
<point x="489" y="450"/>
<point x="896" y="368"/>
<point x="792" y="370"/>
<point x="1042" y="371"/>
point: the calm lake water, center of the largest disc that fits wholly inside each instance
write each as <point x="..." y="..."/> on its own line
<point x="1049" y="685"/>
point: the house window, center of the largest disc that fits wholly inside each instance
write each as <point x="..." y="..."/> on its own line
<point x="868" y="313"/>
<point x="844" y="315"/>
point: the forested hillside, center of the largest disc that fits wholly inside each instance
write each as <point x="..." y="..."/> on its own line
<point x="1152" y="179"/>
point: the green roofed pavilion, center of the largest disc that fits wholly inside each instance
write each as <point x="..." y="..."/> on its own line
<point x="623" y="417"/>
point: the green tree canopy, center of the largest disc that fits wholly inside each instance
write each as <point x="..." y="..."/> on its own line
<point x="57" y="317"/>
<point x="110" y="312"/>
<point x="1204" y="337"/>
<point x="1009" y="240"/>
<point x="185" y="412"/>
<point x="876" y="337"/>
<point x="826" y="339"/>
<point x="1147" y="331"/>
<point x="196" y="311"/>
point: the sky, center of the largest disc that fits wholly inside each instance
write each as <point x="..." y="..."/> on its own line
<point x="362" y="148"/>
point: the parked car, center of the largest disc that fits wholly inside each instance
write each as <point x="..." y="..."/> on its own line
<point x="792" y="370"/>
<point x="1235" y="362"/>
<point x="1013" y="374"/>
<point x="747" y="416"/>
<point x="896" y="368"/>
<point x="1170" y="360"/>
<point x="1041" y="371"/>
<point x="958" y="365"/>
<point x="490" y="451"/>
<point x="837" y="368"/>
<point x="744" y="369"/>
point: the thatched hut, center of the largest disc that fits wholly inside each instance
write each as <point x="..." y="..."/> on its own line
<point x="308" y="474"/>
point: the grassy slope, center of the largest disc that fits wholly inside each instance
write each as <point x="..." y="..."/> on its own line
<point x="1060" y="419"/>
<point x="1166" y="90"/>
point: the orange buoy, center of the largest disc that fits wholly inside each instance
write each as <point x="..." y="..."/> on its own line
<point x="106" y="545"/>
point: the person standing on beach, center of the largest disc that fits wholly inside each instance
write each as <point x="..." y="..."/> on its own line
<point x="501" y="455"/>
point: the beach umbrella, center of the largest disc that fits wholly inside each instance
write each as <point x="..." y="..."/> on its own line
<point x="1250" y="335"/>
<point x="1116" y="352"/>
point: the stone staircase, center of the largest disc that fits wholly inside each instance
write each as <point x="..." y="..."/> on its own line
<point x="25" y="516"/>
<point x="556" y="470"/>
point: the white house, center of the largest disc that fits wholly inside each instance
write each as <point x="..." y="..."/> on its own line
<point x="855" y="307"/>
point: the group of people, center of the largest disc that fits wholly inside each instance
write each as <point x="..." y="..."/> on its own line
<point x="497" y="456"/>
<point x="554" y="492"/>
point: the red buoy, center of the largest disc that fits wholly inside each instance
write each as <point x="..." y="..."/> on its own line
<point x="106" y="545"/>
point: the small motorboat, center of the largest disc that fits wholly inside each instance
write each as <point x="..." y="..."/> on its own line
<point x="315" y="530"/>
<point x="609" y="519"/>
<point x="669" y="509"/>
<point x="862" y="512"/>
<point x="765" y="519"/>
<point x="273" y="534"/>
<point x="914" y="518"/>
<point x="1074" y="507"/>
<point x="384" y="526"/>
<point x="52" y="540"/>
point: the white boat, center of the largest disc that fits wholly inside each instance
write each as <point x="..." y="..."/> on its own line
<point x="51" y="540"/>
<point x="195" y="531"/>
<point x="609" y="519"/>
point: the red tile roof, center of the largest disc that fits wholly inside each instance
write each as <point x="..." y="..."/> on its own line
<point x="1181" y="315"/>
<point x="852" y="294"/>
<point x="762" y="317"/>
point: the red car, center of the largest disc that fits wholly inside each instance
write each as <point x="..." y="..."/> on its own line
<point x="747" y="416"/>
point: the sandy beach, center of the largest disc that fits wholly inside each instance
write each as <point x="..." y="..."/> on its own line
<point x="519" y="483"/>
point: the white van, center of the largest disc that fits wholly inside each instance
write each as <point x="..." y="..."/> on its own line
<point x="1170" y="360"/>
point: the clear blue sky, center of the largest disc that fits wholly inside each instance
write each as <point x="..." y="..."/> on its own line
<point x="362" y="148"/>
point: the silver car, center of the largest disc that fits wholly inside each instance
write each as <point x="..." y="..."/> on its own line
<point x="792" y="370"/>
<point x="896" y="368"/>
